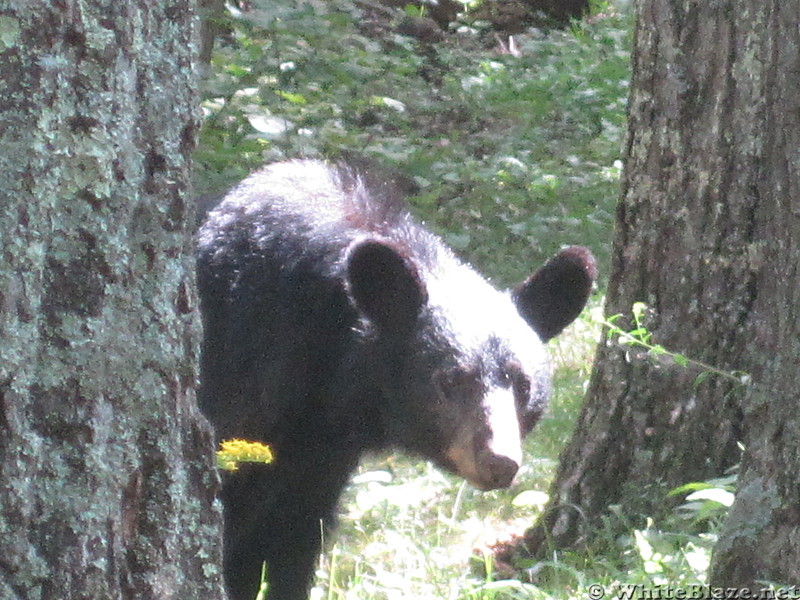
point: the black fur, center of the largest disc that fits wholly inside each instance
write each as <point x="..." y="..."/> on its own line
<point x="335" y="324"/>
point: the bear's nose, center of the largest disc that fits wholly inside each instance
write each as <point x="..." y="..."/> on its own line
<point x="497" y="471"/>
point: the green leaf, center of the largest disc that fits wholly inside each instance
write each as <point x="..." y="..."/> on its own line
<point x="718" y="495"/>
<point x="701" y="378"/>
<point x="681" y="360"/>
<point x="689" y="487"/>
<point x="298" y="99"/>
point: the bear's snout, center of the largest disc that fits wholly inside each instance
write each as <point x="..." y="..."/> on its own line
<point x="496" y="471"/>
<point x="488" y="454"/>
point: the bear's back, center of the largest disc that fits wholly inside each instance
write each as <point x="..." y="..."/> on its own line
<point x="309" y="203"/>
<point x="271" y="275"/>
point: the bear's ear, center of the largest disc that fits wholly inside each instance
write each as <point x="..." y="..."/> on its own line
<point x="384" y="285"/>
<point x="555" y="295"/>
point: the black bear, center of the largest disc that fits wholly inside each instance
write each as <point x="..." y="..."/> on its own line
<point x="335" y="324"/>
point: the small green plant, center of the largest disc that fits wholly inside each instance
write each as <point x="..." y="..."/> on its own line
<point x="597" y="7"/>
<point x="707" y="501"/>
<point x="668" y="558"/>
<point x="678" y="552"/>
<point x="263" y="587"/>
<point x="640" y="337"/>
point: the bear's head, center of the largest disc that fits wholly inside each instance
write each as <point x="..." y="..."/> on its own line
<point x="461" y="367"/>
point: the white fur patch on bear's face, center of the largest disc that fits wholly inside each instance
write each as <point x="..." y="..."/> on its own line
<point x="489" y="338"/>
<point x="472" y="312"/>
<point x="489" y="453"/>
<point x="504" y="432"/>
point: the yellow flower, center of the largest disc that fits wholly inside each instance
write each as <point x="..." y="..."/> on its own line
<point x="233" y="452"/>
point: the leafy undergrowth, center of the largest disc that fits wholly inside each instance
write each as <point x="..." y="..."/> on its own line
<point x="518" y="152"/>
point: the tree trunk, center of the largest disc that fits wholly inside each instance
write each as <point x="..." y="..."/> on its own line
<point x="707" y="237"/>
<point x="561" y="11"/>
<point x="107" y="486"/>
<point x="761" y="538"/>
<point x="212" y="24"/>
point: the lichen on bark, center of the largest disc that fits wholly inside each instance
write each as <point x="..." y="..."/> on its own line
<point x="106" y="462"/>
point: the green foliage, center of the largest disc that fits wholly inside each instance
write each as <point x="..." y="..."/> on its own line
<point x="264" y="587"/>
<point x="519" y="152"/>
<point x="678" y="553"/>
<point x="706" y="501"/>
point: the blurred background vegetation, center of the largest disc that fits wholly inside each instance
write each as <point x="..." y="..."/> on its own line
<point x="511" y="146"/>
<point x="514" y="150"/>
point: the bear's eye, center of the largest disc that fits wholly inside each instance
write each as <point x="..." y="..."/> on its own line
<point x="458" y="385"/>
<point x="514" y="376"/>
<point x="522" y="389"/>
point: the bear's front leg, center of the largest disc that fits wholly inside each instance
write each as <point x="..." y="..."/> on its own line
<point x="276" y="514"/>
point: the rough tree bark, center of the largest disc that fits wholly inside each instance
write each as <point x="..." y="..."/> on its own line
<point x="107" y="489"/>
<point x="761" y="538"/>
<point x="708" y="236"/>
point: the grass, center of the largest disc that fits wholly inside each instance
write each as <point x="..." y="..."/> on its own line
<point x="514" y="156"/>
